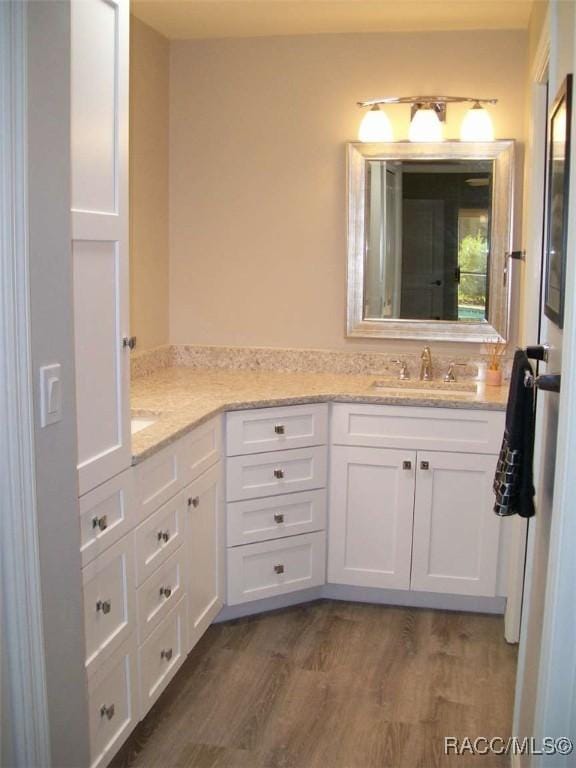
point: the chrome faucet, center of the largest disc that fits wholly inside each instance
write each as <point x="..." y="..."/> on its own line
<point x="426" y="372"/>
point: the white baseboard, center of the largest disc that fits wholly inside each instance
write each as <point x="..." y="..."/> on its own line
<point x="400" y="597"/>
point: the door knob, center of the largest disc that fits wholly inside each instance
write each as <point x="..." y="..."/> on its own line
<point x="278" y="518"/>
<point x="279" y="473"/>
<point x="100" y="522"/>
<point x="165" y="592"/>
<point x="166" y="654"/>
<point x="406" y="465"/>
<point x="424" y="465"/>
<point x="164" y="536"/>
<point x="279" y="429"/>
<point x="278" y="569"/>
<point x="107" y="711"/>
<point x="194" y="502"/>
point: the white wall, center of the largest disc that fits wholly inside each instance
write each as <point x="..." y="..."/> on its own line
<point x="257" y="169"/>
<point x="52" y="341"/>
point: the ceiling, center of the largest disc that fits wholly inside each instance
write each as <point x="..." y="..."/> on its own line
<point x="188" y="19"/>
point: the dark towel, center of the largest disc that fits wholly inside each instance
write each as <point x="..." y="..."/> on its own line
<point x="513" y="482"/>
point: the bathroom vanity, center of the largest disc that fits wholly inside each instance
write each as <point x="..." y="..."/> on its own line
<point x="236" y="505"/>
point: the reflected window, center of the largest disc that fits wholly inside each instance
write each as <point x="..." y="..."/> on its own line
<point x="472" y="271"/>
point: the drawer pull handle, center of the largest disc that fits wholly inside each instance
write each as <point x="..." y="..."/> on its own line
<point x="279" y="429"/>
<point x="104" y="606"/>
<point x="107" y="711"/>
<point x="278" y="569"/>
<point x="278" y="474"/>
<point x="195" y="502"/>
<point x="406" y="465"/>
<point x="166" y="654"/>
<point x="164" y="536"/>
<point x="424" y="465"/>
<point x="165" y="592"/>
<point x="100" y="522"/>
<point x="278" y="518"/>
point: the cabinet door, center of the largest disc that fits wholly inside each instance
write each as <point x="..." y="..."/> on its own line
<point x="456" y="534"/>
<point x="99" y="194"/>
<point x="370" y="531"/>
<point x="204" y="544"/>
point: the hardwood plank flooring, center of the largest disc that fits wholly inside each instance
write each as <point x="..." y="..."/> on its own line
<point x="333" y="685"/>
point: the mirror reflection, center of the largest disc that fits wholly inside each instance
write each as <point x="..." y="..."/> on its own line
<point x="427" y="239"/>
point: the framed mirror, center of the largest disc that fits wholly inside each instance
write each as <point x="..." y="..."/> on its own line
<point x="429" y="234"/>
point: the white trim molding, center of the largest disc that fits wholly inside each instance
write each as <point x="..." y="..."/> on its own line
<point x="21" y="625"/>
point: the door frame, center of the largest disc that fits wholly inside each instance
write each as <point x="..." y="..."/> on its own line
<point x="21" y="641"/>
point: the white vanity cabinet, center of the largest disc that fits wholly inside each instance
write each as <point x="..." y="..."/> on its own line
<point x="276" y="474"/>
<point x="414" y="518"/>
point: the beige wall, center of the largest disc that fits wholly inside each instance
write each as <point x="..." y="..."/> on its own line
<point x="149" y="57"/>
<point x="257" y="169"/>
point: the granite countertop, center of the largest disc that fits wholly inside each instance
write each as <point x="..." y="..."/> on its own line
<point x="179" y="399"/>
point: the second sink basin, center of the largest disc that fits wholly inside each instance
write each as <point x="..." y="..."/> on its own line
<point x="415" y="386"/>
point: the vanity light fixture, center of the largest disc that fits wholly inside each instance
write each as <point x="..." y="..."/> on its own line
<point x="428" y="114"/>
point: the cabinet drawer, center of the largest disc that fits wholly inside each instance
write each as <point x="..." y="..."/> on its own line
<point x="200" y="449"/>
<point x="275" y="517"/>
<point x="112" y="704"/>
<point x="159" y="537"/>
<point x="161" y="656"/>
<point x="397" y="426"/>
<point x="158" y="479"/>
<point x="275" y="429"/>
<point x="108" y="584"/>
<point x="106" y="514"/>
<point x="276" y="567"/>
<point x="301" y="469"/>
<point x="160" y="593"/>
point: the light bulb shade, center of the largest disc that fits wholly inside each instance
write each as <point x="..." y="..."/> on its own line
<point x="375" y="126"/>
<point x="425" y="126"/>
<point x="477" y="125"/>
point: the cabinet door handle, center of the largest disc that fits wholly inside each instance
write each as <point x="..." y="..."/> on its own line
<point x="107" y="711"/>
<point x="100" y="522"/>
<point x="279" y="429"/>
<point x="194" y="502"/>
<point x="104" y="605"/>
<point x="165" y="592"/>
<point x="166" y="654"/>
<point x="164" y="536"/>
<point x="279" y="569"/>
<point x="406" y="465"/>
<point x="279" y="473"/>
<point x="278" y="518"/>
<point x="424" y="465"/>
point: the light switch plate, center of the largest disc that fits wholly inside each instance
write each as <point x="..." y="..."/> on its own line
<point x="50" y="394"/>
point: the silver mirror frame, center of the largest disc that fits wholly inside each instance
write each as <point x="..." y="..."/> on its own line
<point x="498" y="325"/>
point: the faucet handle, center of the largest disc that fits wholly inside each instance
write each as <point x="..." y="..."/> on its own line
<point x="404" y="372"/>
<point x="450" y="376"/>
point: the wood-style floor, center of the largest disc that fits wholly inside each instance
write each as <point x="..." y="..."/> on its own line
<point x="333" y="685"/>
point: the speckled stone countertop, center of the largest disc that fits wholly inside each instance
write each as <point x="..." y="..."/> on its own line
<point x="180" y="398"/>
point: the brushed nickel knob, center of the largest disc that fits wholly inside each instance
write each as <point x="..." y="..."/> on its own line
<point x="166" y="654"/>
<point x="424" y="465"/>
<point x="278" y="569"/>
<point x="107" y="711"/>
<point x="279" y="429"/>
<point x="165" y="591"/>
<point x="164" y="536"/>
<point x="195" y="501"/>
<point x="279" y="473"/>
<point x="278" y="518"/>
<point x="104" y="605"/>
<point x="100" y="522"/>
<point x="406" y="465"/>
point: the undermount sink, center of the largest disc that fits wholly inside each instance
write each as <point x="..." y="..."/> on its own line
<point x="416" y="386"/>
<point x="142" y="420"/>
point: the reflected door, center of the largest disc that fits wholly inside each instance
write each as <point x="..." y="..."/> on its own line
<point x="423" y="259"/>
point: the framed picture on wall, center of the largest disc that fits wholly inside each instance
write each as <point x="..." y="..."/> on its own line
<point x="557" y="208"/>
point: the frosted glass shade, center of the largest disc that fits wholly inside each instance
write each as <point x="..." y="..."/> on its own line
<point x="425" y="126"/>
<point x="477" y="125"/>
<point x="375" y="126"/>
